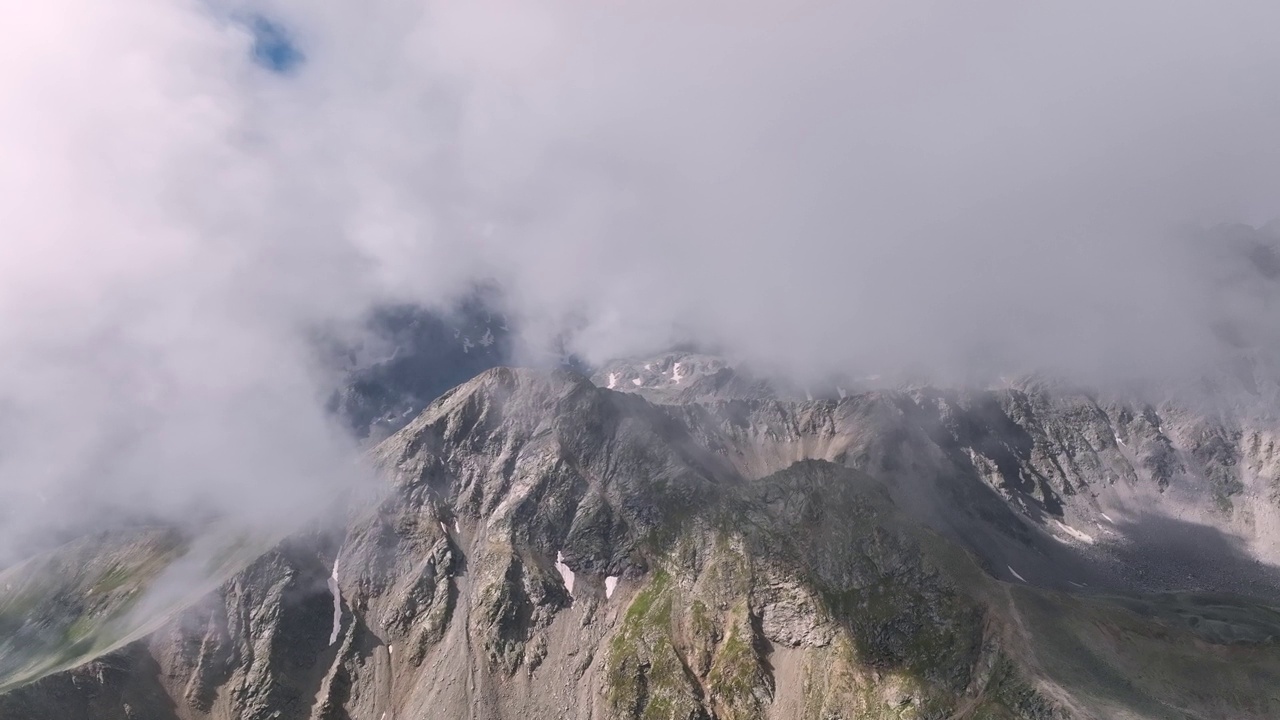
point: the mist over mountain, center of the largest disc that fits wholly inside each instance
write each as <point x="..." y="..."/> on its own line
<point x="957" y="193"/>
<point x="409" y="357"/>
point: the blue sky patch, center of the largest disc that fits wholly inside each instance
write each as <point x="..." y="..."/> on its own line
<point x="273" y="47"/>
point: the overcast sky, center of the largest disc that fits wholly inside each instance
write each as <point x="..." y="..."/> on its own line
<point x="820" y="185"/>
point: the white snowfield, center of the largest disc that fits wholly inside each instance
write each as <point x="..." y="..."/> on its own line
<point x="610" y="584"/>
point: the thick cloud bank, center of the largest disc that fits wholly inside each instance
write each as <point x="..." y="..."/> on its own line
<point x="190" y="188"/>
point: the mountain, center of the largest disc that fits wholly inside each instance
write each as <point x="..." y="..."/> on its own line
<point x="409" y="356"/>
<point x="705" y="545"/>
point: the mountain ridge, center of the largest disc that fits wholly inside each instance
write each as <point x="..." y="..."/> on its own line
<point x="545" y="545"/>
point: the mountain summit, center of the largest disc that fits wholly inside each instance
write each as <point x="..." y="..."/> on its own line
<point x="699" y="545"/>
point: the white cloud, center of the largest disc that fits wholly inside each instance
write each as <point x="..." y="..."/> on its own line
<point x="819" y="186"/>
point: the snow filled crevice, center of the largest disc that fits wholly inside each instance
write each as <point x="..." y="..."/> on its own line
<point x="337" y="604"/>
<point x="610" y="584"/>
<point x="565" y="573"/>
<point x="1075" y="534"/>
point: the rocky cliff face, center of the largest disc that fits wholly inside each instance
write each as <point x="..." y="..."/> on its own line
<point x="704" y="546"/>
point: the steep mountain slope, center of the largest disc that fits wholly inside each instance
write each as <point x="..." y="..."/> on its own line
<point x="548" y="548"/>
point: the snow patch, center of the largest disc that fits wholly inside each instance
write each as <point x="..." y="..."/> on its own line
<point x="1015" y="573"/>
<point x="391" y="649"/>
<point x="456" y="529"/>
<point x="613" y="380"/>
<point x="637" y="382"/>
<point x="843" y="394"/>
<point x="444" y="528"/>
<point x="1108" y="518"/>
<point x="337" y="603"/>
<point x="675" y="373"/>
<point x="1119" y="441"/>
<point x="565" y="573"/>
<point x="648" y="366"/>
<point x="1074" y="533"/>
<point x="610" y="584"/>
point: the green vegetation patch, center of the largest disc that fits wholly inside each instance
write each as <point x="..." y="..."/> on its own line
<point x="647" y="678"/>
<point x="737" y="683"/>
